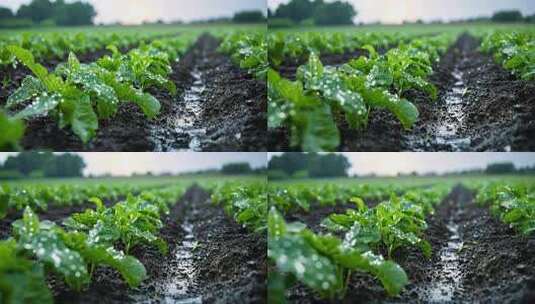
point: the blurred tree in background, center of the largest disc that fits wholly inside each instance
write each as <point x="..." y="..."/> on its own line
<point x="46" y="12"/>
<point x="319" y="12"/>
<point x="44" y="164"/>
<point x="249" y="17"/>
<point x="300" y="165"/>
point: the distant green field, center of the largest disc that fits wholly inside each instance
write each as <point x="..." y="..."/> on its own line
<point x="410" y="180"/>
<point x="414" y="28"/>
<point x="156" y="29"/>
<point x="141" y="180"/>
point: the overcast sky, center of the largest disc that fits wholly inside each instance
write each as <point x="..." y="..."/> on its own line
<point x="137" y="11"/>
<point x="385" y="163"/>
<point x="395" y="11"/>
<point x="122" y="163"/>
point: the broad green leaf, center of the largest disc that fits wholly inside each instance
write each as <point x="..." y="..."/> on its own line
<point x="11" y="131"/>
<point x="21" y="280"/>
<point x="45" y="244"/>
<point x="43" y="104"/>
<point x="293" y="255"/>
<point x="84" y="121"/>
<point x="319" y="131"/>
<point x="29" y="88"/>
<point x="392" y="276"/>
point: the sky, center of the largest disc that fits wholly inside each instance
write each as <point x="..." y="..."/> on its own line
<point x="137" y="11"/>
<point x="124" y="163"/>
<point x="386" y="163"/>
<point x="395" y="11"/>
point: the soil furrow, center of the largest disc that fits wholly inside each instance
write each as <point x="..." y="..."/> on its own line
<point x="222" y="108"/>
<point x="481" y="106"/>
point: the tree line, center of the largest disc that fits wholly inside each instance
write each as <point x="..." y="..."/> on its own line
<point x="308" y="12"/>
<point x="46" y="12"/>
<point x="42" y="164"/>
<point x="303" y="165"/>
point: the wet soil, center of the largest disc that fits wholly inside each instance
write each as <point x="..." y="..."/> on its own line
<point x="222" y="108"/>
<point x="476" y="258"/>
<point x="219" y="108"/>
<point x="211" y="260"/>
<point x="480" y="107"/>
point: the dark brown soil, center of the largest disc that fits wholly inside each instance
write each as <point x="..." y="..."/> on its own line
<point x="497" y="112"/>
<point x="233" y="112"/>
<point x="228" y="264"/>
<point x="496" y="264"/>
<point x="230" y="114"/>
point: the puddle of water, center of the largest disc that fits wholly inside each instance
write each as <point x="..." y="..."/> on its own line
<point x="449" y="280"/>
<point x="178" y="288"/>
<point x="447" y="134"/>
<point x="187" y="124"/>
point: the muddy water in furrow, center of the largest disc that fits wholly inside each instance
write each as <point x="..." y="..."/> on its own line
<point x="443" y="126"/>
<point x="448" y="283"/>
<point x="178" y="288"/>
<point x="448" y="127"/>
<point x="183" y="128"/>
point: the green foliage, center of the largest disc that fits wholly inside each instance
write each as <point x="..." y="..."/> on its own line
<point x="132" y="222"/>
<point x="322" y="262"/>
<point x="515" y="51"/>
<point x="249" y="50"/>
<point x="246" y="204"/>
<point x="43" y="242"/>
<point x="79" y="95"/>
<point x="21" y="280"/>
<point x="399" y="222"/>
<point x="308" y="106"/>
<point x="513" y="204"/>
<point x="11" y="131"/>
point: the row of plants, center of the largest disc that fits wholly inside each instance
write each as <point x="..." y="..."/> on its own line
<point x="246" y="203"/>
<point x="308" y="106"/>
<point x="248" y="50"/>
<point x="40" y="197"/>
<point x="357" y="241"/>
<point x="86" y="241"/>
<point x="45" y="46"/>
<point x="513" y="50"/>
<point x="297" y="197"/>
<point x="79" y="95"/>
<point x="286" y="46"/>
<point x="513" y="204"/>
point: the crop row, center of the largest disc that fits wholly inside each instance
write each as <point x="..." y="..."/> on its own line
<point x="88" y="241"/>
<point x="513" y="204"/>
<point x="307" y="106"/>
<point x="40" y="196"/>
<point x="302" y="197"/>
<point x="245" y="203"/>
<point x="514" y="51"/>
<point x="56" y="45"/>
<point x="248" y="51"/>
<point x="298" y="46"/>
<point x="79" y="95"/>
<point x="357" y="242"/>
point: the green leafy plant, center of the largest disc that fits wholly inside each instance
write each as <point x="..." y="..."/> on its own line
<point x="21" y="279"/>
<point x="247" y="204"/>
<point x="132" y="222"/>
<point x="322" y="262"/>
